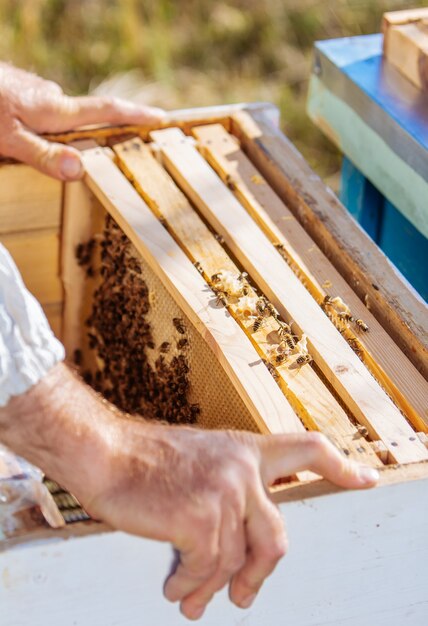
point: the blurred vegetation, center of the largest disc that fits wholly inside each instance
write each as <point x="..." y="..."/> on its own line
<point x="189" y="53"/>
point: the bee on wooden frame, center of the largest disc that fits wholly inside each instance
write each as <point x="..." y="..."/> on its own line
<point x="258" y="323"/>
<point x="361" y="325"/>
<point x="303" y="358"/>
<point x="221" y="298"/>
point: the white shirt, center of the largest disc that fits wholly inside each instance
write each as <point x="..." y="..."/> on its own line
<point x="28" y="347"/>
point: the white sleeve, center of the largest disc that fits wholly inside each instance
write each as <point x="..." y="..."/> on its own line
<point x="28" y="347"/>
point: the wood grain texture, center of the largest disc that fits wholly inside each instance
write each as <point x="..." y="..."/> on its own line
<point x="36" y="254"/>
<point x="311" y="400"/>
<point x="234" y="351"/>
<point x="389" y="365"/>
<point x="54" y="314"/>
<point x="364" y="267"/>
<point x="29" y="200"/>
<point x="406" y="47"/>
<point x="343" y="369"/>
<point x="79" y="218"/>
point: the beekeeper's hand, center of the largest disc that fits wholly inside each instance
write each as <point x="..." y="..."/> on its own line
<point x="205" y="492"/>
<point x="30" y="105"/>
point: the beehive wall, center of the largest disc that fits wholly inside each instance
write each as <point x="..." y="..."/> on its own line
<point x="30" y="216"/>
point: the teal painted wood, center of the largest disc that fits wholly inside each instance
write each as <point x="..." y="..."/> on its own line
<point x="361" y="198"/>
<point x="380" y="122"/>
<point x="405" y="188"/>
<point x="406" y="247"/>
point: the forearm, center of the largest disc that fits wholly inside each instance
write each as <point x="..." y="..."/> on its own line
<point x="61" y="426"/>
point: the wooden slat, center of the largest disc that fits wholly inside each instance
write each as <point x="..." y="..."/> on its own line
<point x="365" y="268"/>
<point x="54" y="314"/>
<point x="234" y="351"/>
<point x="406" y="47"/>
<point x="312" y="401"/>
<point x="78" y="226"/>
<point x="407" y="16"/>
<point x="392" y="369"/>
<point x="36" y="254"/>
<point x="358" y="389"/>
<point x="28" y="199"/>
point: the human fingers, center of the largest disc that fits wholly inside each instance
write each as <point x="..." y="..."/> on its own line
<point x="53" y="159"/>
<point x="199" y="555"/>
<point x="284" y="455"/>
<point x="58" y="112"/>
<point x="232" y="550"/>
<point x="266" y="544"/>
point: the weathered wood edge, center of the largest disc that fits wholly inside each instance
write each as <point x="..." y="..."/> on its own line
<point x="281" y="494"/>
<point x="363" y="265"/>
<point x="183" y="118"/>
<point x="389" y="475"/>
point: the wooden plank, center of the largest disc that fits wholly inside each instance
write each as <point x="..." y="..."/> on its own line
<point x="406" y="47"/>
<point x="234" y="351"/>
<point x="407" y="16"/>
<point x="79" y="217"/>
<point x="365" y="268"/>
<point x="28" y="199"/>
<point x="54" y="314"/>
<point x="392" y="369"/>
<point x="36" y="254"/>
<point x="311" y="400"/>
<point x="343" y="369"/>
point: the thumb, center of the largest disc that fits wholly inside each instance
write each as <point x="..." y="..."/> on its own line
<point x="53" y="159"/>
<point x="284" y="455"/>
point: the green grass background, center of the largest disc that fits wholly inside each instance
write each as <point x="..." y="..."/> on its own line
<point x="189" y="53"/>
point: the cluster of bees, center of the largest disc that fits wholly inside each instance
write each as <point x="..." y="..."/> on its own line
<point x="342" y="311"/>
<point x="231" y="288"/>
<point x="119" y="333"/>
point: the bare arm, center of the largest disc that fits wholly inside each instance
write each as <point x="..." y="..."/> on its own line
<point x="205" y="492"/>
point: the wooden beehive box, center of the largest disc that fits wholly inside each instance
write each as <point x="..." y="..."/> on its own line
<point x="203" y="274"/>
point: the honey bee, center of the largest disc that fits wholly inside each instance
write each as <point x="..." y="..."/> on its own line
<point x="284" y="348"/>
<point x="361" y="325"/>
<point x="285" y="334"/>
<point x="219" y="238"/>
<point x="280" y="358"/>
<point x="272" y="370"/>
<point x="179" y="325"/>
<point x="326" y="302"/>
<point x="165" y="346"/>
<point x="342" y="310"/>
<point x="216" y="278"/>
<point x="280" y="247"/>
<point x="243" y="276"/>
<point x="261" y="306"/>
<point x="198" y="267"/>
<point x="265" y="308"/>
<point x="181" y="343"/>
<point x="271" y="310"/>
<point x="221" y="298"/>
<point x="303" y="358"/>
<point x="258" y="323"/>
<point x="289" y="340"/>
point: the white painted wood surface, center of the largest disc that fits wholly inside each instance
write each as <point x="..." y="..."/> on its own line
<point x="356" y="559"/>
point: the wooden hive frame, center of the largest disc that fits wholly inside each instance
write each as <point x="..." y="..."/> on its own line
<point x="350" y="547"/>
<point x="278" y="222"/>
